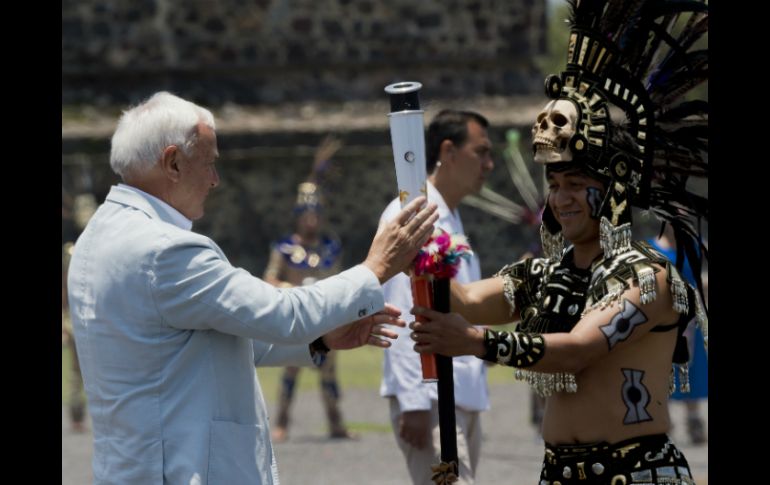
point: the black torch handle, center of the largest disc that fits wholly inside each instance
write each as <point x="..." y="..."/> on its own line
<point x="446" y="385"/>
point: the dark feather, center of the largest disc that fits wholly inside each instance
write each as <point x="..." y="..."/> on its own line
<point x="694" y="30"/>
<point x="617" y="15"/>
<point x="696" y="108"/>
<point x="681" y="85"/>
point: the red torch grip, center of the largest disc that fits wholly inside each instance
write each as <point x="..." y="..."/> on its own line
<point x="422" y="294"/>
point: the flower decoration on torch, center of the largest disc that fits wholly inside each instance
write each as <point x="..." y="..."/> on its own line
<point x="440" y="257"/>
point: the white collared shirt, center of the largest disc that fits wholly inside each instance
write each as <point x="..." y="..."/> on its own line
<point x="176" y="217"/>
<point x="402" y="372"/>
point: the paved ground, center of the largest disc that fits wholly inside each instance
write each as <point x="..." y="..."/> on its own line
<point x="511" y="453"/>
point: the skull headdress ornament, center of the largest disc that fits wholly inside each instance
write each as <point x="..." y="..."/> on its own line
<point x="553" y="130"/>
<point x="636" y="58"/>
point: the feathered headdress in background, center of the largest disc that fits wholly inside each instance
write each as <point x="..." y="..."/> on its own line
<point x="311" y="192"/>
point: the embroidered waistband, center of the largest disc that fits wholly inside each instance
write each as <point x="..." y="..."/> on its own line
<point x="651" y="459"/>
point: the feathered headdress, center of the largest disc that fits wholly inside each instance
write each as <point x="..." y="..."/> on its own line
<point x="639" y="57"/>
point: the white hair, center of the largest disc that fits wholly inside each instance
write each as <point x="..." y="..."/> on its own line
<point x="144" y="131"/>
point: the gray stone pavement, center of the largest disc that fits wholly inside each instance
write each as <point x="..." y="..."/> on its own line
<point x="511" y="452"/>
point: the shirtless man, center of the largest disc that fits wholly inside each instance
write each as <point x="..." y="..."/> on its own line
<point x="605" y="373"/>
<point x="603" y="321"/>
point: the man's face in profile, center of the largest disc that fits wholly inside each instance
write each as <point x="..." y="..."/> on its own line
<point x="198" y="173"/>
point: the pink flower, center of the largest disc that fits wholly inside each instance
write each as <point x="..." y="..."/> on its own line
<point x="440" y="256"/>
<point x="443" y="240"/>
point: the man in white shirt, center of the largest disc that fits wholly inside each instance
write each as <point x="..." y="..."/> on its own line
<point x="458" y="157"/>
<point x="168" y="331"/>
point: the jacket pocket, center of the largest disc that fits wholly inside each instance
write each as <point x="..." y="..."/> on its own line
<point x="239" y="454"/>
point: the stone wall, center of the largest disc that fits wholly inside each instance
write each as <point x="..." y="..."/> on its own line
<point x="272" y="51"/>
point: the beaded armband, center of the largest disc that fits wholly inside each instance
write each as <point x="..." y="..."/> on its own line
<point x="514" y="349"/>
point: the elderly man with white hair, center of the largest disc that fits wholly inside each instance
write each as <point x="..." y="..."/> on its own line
<point x="169" y="331"/>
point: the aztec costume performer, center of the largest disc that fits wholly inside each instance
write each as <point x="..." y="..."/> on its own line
<point x="602" y="321"/>
<point x="310" y="254"/>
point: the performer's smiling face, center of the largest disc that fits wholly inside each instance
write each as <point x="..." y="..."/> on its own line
<point x="572" y="198"/>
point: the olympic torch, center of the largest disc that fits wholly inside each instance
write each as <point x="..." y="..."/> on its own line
<point x="408" y="139"/>
<point x="435" y="264"/>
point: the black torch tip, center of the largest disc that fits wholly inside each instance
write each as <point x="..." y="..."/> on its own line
<point x="404" y="96"/>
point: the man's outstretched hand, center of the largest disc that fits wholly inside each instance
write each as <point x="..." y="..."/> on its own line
<point x="366" y="331"/>
<point x="396" y="243"/>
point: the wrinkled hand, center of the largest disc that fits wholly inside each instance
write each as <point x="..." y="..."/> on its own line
<point x="414" y="428"/>
<point x="396" y="243"/>
<point x="366" y="331"/>
<point x="446" y="334"/>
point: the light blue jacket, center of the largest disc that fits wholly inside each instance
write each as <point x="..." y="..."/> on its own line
<point x="168" y="333"/>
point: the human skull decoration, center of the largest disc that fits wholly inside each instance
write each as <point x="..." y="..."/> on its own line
<point x="552" y="131"/>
